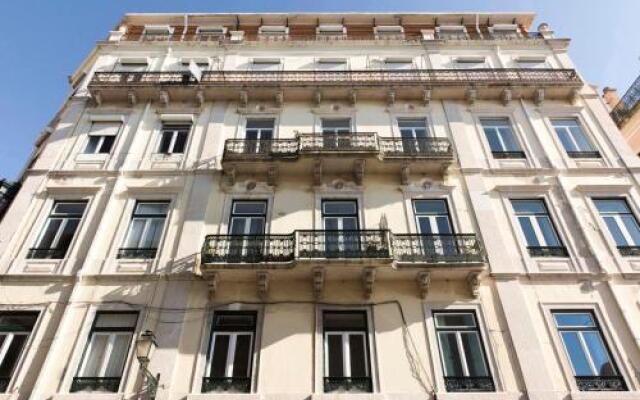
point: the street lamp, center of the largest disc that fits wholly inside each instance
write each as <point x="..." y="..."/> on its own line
<point x="145" y="346"/>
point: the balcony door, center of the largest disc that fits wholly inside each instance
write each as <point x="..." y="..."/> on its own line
<point x="434" y="226"/>
<point x="258" y="135"/>
<point x="340" y="221"/>
<point x="414" y="135"/>
<point x="247" y="227"/>
<point x="336" y="133"/>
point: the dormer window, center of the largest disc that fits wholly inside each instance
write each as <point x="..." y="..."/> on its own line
<point x="532" y="62"/>
<point x="332" y="63"/>
<point x="470" y="63"/>
<point x="211" y="33"/>
<point x="398" y="62"/>
<point x="273" y="32"/>
<point x="389" y="32"/>
<point x="266" y="63"/>
<point x="331" y="31"/>
<point x="452" y="32"/>
<point x="157" y="32"/>
<point x="132" y="64"/>
<point x="504" y="31"/>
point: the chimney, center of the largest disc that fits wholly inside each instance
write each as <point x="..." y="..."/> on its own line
<point x="610" y="96"/>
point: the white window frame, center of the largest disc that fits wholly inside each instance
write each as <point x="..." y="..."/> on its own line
<point x="174" y="137"/>
<point x="509" y="122"/>
<point x="534" y="223"/>
<point x="346" y="351"/>
<point x="231" y="351"/>
<point x="104" y="362"/>
<point x="388" y="31"/>
<point x="146" y="225"/>
<point x="618" y="219"/>
<point x="101" y="140"/>
<point x="505" y="31"/>
<point x="65" y="220"/>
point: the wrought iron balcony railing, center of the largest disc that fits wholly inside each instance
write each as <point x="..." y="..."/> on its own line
<point x="584" y="154"/>
<point x="46" y="253"/>
<point x="508" y="154"/>
<point x="437" y="248"/>
<point x="343" y="244"/>
<point x="263" y="149"/>
<point x="469" y="384"/>
<point x="229" y="385"/>
<point x="627" y="104"/>
<point x="629" y="250"/>
<point x="385" y="78"/>
<point x="137" y="253"/>
<point x="248" y="248"/>
<point x="547" y="251"/>
<point x="600" y="383"/>
<point x="351" y="142"/>
<point x="415" y="147"/>
<point x="344" y="384"/>
<point x="95" y="384"/>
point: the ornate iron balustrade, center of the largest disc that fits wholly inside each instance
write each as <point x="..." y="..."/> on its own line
<point x="584" y="154"/>
<point x="469" y="384"/>
<point x="547" y="251"/>
<point x="600" y="383"/>
<point x="627" y="104"/>
<point x="343" y="244"/>
<point x="248" y="248"/>
<point x="263" y="149"/>
<point x="418" y="148"/>
<point x="434" y="248"/>
<point x="231" y="385"/>
<point x="137" y="253"/>
<point x="95" y="384"/>
<point x="352" y="142"/>
<point x="344" y="384"/>
<point x="629" y="250"/>
<point x="383" y="78"/>
<point x="4" y="383"/>
<point x="508" y="154"/>
<point x="54" y="254"/>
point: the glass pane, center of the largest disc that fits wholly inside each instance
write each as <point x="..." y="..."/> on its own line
<point x="358" y="355"/>
<point x="152" y="237"/>
<point x="17" y="322"/>
<point x="116" y="320"/>
<point x="615" y="231"/>
<point x="599" y="354"/>
<point x="579" y="360"/>
<point x="349" y="223"/>
<point x="135" y="233"/>
<point x="529" y="233"/>
<point x="235" y="321"/>
<point x="49" y="234"/>
<point x="95" y="356"/>
<point x="548" y="231"/>
<point x="345" y="321"/>
<point x="67" y="234"/>
<point x="474" y="354"/>
<point x="432" y="207"/>
<point x="335" y="356"/>
<point x="631" y="224"/>
<point x="245" y="207"/>
<point x="449" y="320"/>
<point x="574" y="320"/>
<point x="580" y="138"/>
<point x="612" y="206"/>
<point x="340" y="124"/>
<point x="12" y="355"/>
<point x="509" y="139"/>
<point x="331" y="224"/>
<point x="165" y="142"/>
<point x="412" y="123"/>
<point x="152" y="208"/>
<point x="107" y="144"/>
<point x="76" y="209"/>
<point x="565" y="139"/>
<point x="443" y="225"/>
<point x="92" y="144"/>
<point x="533" y="206"/>
<point x="181" y="141"/>
<point x="242" y="356"/>
<point x="238" y="225"/>
<point x="493" y="139"/>
<point x="424" y="225"/>
<point x="340" y="207"/>
<point x="118" y="355"/>
<point x="450" y="354"/>
<point x="260" y="123"/>
<point x="257" y="226"/>
<point x="219" y="358"/>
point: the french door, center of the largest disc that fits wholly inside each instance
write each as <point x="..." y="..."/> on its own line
<point x="336" y="133"/>
<point x="258" y="135"/>
<point x="414" y="134"/>
<point x="434" y="226"/>
<point x="340" y="220"/>
<point x="246" y="227"/>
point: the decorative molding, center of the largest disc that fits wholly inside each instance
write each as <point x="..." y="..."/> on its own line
<point x="353" y="97"/>
<point x="244" y="98"/>
<point x="358" y="171"/>
<point x="317" y="172"/>
<point x="391" y="97"/>
<point x="405" y="173"/>
<point x="507" y="96"/>
<point x="200" y="97"/>
<point x="279" y="98"/>
<point x="164" y="98"/>
<point x="212" y="284"/>
<point x="473" y="281"/>
<point x="538" y="97"/>
<point x="318" y="278"/>
<point x="615" y="188"/>
<point x="272" y="175"/>
<point x="317" y="97"/>
<point x="426" y="96"/>
<point x="263" y="284"/>
<point x="471" y="95"/>
<point x="132" y="99"/>
<point x="368" y="280"/>
<point x="423" y="279"/>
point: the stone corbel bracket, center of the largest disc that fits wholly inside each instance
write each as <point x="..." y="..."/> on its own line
<point x="262" y="280"/>
<point x="212" y="284"/>
<point x="473" y="282"/>
<point x="423" y="279"/>
<point x="368" y="280"/>
<point x="318" y="278"/>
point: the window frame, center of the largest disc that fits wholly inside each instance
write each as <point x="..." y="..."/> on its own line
<point x="541" y="250"/>
<point x="519" y="154"/>
<point x="175" y="132"/>
<point x="416" y="215"/>
<point x="133" y="215"/>
<point x="115" y="136"/>
<point x="15" y="370"/>
<point x="37" y="245"/>
<point x="632" y="249"/>
<point x="593" y="153"/>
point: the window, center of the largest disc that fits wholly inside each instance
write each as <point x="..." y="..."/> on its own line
<point x="414" y="134"/>
<point x="346" y="352"/>
<point x="398" y="63"/>
<point x="132" y="65"/>
<point x="573" y="139"/>
<point x="266" y="63"/>
<point x="538" y="229"/>
<point x="340" y="221"/>
<point x="332" y="31"/>
<point x="501" y="138"/>
<point x="101" y="137"/>
<point x="15" y="328"/>
<point x="434" y="226"/>
<point x="258" y="135"/>
<point x="470" y="63"/>
<point x="230" y="352"/>
<point x="174" y="138"/>
<point x="532" y="63"/>
<point x="106" y="352"/>
<point x="213" y="33"/>
<point x="452" y="32"/>
<point x="248" y="217"/>
<point x="59" y="230"/>
<point x="145" y="230"/>
<point x="157" y="32"/>
<point x="389" y="32"/>
<point x="622" y="224"/>
<point x="504" y="31"/>
<point x="587" y="351"/>
<point x="336" y="133"/>
<point x="332" y="63"/>
<point x="273" y="32"/>
<point x="462" y="353"/>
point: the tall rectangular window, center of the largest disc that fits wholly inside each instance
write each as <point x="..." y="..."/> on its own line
<point x="230" y="352"/>
<point x="145" y="230"/>
<point x="106" y="352"/>
<point x="336" y="133"/>
<point x="173" y="138"/>
<point x="15" y="328"/>
<point x="102" y="136"/>
<point x="538" y="228"/>
<point x="59" y="230"/>
<point x="589" y="355"/>
<point x="622" y="224"/>
<point x="501" y="138"/>
<point x="247" y="225"/>
<point x="573" y="138"/>
<point x="414" y="134"/>
<point x="346" y="352"/>
<point x="434" y="226"/>
<point x="462" y="352"/>
<point x="258" y="135"/>
<point x="340" y="221"/>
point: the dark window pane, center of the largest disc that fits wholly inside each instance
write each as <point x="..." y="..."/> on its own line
<point x="574" y="320"/>
<point x="92" y="144"/>
<point x="533" y="206"/>
<point x="358" y="355"/>
<point x="242" y="356"/>
<point x="67" y="233"/>
<point x="419" y="123"/>
<point x="631" y="224"/>
<point x="433" y="207"/>
<point x="576" y="354"/>
<point x="116" y="320"/>
<point x="612" y="206"/>
<point x="235" y="321"/>
<point x="548" y="231"/>
<point x="76" y="209"/>
<point x="107" y="144"/>
<point x="12" y="355"/>
<point x="49" y="234"/>
<point x="474" y="354"/>
<point x="340" y="207"/>
<point x="335" y="356"/>
<point x="599" y="354"/>
<point x="219" y="358"/>
<point x="17" y="322"/>
<point x="159" y="208"/>
<point x="347" y="321"/>
<point x="450" y="354"/>
<point x="245" y="207"/>
<point x="494" y="140"/>
<point x="262" y="123"/>
<point x="165" y="142"/>
<point x="339" y="123"/>
<point x="529" y="233"/>
<point x="181" y="141"/>
<point x="455" y="320"/>
<point x="615" y="231"/>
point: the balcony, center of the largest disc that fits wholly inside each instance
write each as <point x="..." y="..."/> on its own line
<point x="248" y="249"/>
<point x="420" y="148"/>
<point x="345" y="244"/>
<point x="628" y="104"/>
<point x="338" y="143"/>
<point x="415" y="84"/>
<point x="226" y="385"/>
<point x="437" y="249"/>
<point x="260" y="150"/>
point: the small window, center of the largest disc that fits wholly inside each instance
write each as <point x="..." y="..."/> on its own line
<point x="107" y="351"/>
<point x="538" y="228"/>
<point x="331" y="30"/>
<point x="173" y="139"/>
<point x="452" y="32"/>
<point x="59" y="230"/>
<point x="389" y="32"/>
<point x="621" y="223"/>
<point x="573" y="138"/>
<point x="588" y="353"/>
<point x="398" y="63"/>
<point x="145" y="230"/>
<point x="211" y="33"/>
<point x="230" y="353"/>
<point x="102" y="136"/>
<point x="532" y="63"/>
<point x="504" y="31"/>
<point x="248" y="217"/>
<point x="273" y="31"/>
<point x="501" y="138"/>
<point x="462" y="352"/>
<point x="415" y="135"/>
<point x="346" y="352"/>
<point x="470" y="63"/>
<point x="15" y="328"/>
<point x="132" y="65"/>
<point x="157" y="32"/>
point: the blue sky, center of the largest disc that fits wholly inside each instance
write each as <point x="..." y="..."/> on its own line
<point x="42" y="41"/>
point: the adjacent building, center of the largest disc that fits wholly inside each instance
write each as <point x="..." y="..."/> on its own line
<point x="325" y="206"/>
<point x="624" y="112"/>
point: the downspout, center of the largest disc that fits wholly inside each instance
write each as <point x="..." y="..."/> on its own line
<point x="186" y="26"/>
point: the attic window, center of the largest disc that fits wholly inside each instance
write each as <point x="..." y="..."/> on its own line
<point x="532" y="62"/>
<point x="132" y="64"/>
<point x="211" y="32"/>
<point x="470" y="62"/>
<point x="389" y="31"/>
<point x="273" y="30"/>
<point x="332" y="60"/>
<point x="504" y="31"/>
<point x="398" y="60"/>
<point x="331" y="30"/>
<point x="157" y="32"/>
<point x="455" y="32"/>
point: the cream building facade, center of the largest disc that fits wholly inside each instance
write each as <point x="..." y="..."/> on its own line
<point x="624" y="112"/>
<point x="324" y="206"/>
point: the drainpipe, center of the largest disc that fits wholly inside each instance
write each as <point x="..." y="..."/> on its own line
<point x="186" y="25"/>
<point x="478" y="24"/>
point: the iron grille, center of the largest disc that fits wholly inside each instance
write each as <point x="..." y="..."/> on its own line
<point x="469" y="384"/>
<point x="412" y="147"/>
<point x="547" y="251"/>
<point x="343" y="244"/>
<point x="600" y="383"/>
<point x="263" y="149"/>
<point x="55" y="254"/>
<point x="344" y="384"/>
<point x="231" y="385"/>
<point x="352" y="142"/>
<point x="248" y="248"/>
<point x="437" y="248"/>
<point x="95" y="384"/>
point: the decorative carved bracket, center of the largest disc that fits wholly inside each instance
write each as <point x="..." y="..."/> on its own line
<point x="244" y="98"/>
<point x="358" y="171"/>
<point x="318" y="282"/>
<point x="132" y="99"/>
<point x="212" y="284"/>
<point x="471" y="96"/>
<point x="538" y="97"/>
<point x="405" y="172"/>
<point x="424" y="281"/>
<point x="574" y="96"/>
<point x="391" y="97"/>
<point x="164" y="98"/>
<point x="97" y="97"/>
<point x="279" y="98"/>
<point x="507" y="96"/>
<point x="263" y="283"/>
<point x="200" y="98"/>
<point x="272" y="175"/>
<point x="230" y="175"/>
<point x="317" y="97"/>
<point x="426" y="96"/>
<point x="473" y="281"/>
<point x="317" y="172"/>
<point x="368" y="279"/>
<point x="353" y="97"/>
